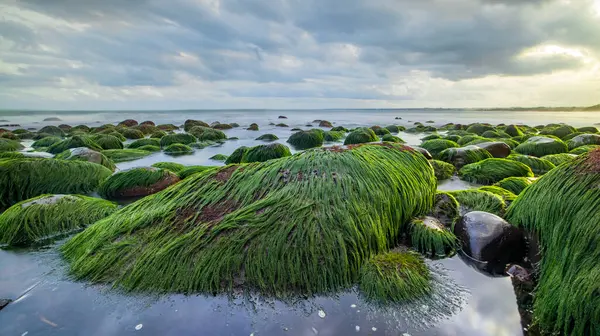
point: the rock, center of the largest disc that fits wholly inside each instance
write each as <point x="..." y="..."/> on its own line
<point x="52" y="119"/>
<point x="86" y="154"/>
<point x="497" y="149"/>
<point x="424" y="151"/>
<point x="4" y="303"/>
<point x="490" y="241"/>
<point x="398" y="118"/>
<point x="128" y="123"/>
<point x="282" y="117"/>
<point x="137" y="182"/>
<point x="325" y="123"/>
<point x="462" y="156"/>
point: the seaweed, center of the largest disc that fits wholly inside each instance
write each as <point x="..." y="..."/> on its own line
<point x="392" y="138"/>
<point x="541" y="146"/>
<point x="122" y="155"/>
<point x="583" y="149"/>
<point x="307" y="139"/>
<point x="144" y="142"/>
<point x="361" y="135"/>
<point x="171" y="166"/>
<point x="490" y="171"/>
<point x="182" y="138"/>
<point x="436" y="146"/>
<point x="267" y="137"/>
<point x="74" y="142"/>
<point x="515" y="184"/>
<point x="506" y="195"/>
<point x="538" y="166"/>
<point x="108" y="141"/>
<point x="136" y="182"/>
<point x="262" y="153"/>
<point x="479" y="128"/>
<point x="583" y="140"/>
<point x="443" y="170"/>
<point x="191" y="170"/>
<point x="207" y="133"/>
<point x="333" y="136"/>
<point x="88" y="155"/>
<point x="428" y="236"/>
<point x="52" y="130"/>
<point x="463" y="155"/>
<point x="178" y="149"/>
<point x="479" y="200"/>
<point x="189" y="124"/>
<point x="8" y="145"/>
<point x="131" y="133"/>
<point x="218" y="157"/>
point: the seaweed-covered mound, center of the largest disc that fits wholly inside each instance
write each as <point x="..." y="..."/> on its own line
<point x="8" y="145"/>
<point x="380" y="131"/>
<point x="262" y="153"/>
<point x="304" y="223"/>
<point x="74" y="142"/>
<point x="21" y="179"/>
<point x="171" y="166"/>
<point x="11" y="155"/>
<point x="429" y="236"/>
<point x="48" y="215"/>
<point x="493" y="170"/>
<point x="392" y="138"/>
<point x="507" y="195"/>
<point x="268" y="137"/>
<point x="131" y="133"/>
<point x="560" y="131"/>
<point x="582" y="140"/>
<point x="583" y="149"/>
<point x="207" y="133"/>
<point x="394" y="277"/>
<point x="479" y="200"/>
<point x="191" y="170"/>
<point x="108" y="141"/>
<point x="445" y="209"/>
<point x="44" y="142"/>
<point x="307" y="139"/>
<point x="86" y="154"/>
<point x="332" y="136"/>
<point x="137" y="182"/>
<point x="178" y="149"/>
<point x="479" y="128"/>
<point x="170" y="127"/>
<point x="442" y="169"/>
<point x="558" y="159"/>
<point x="182" y="138"/>
<point x="361" y="135"/>
<point x="538" y="166"/>
<point x="431" y="137"/>
<point x="436" y="146"/>
<point x="158" y="134"/>
<point x="237" y="155"/>
<point x="122" y="155"/>
<point x="219" y="157"/>
<point x="515" y="184"/>
<point x="52" y="130"/>
<point x="144" y="142"/>
<point x="253" y="127"/>
<point x="540" y="146"/>
<point x="189" y="124"/>
<point x="128" y="123"/>
<point x="563" y="209"/>
<point x="463" y="155"/>
<point x="513" y="130"/>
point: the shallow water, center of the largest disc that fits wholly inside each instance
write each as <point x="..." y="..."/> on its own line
<point x="50" y="304"/>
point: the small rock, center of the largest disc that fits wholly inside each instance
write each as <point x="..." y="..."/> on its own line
<point x="4" y="303"/>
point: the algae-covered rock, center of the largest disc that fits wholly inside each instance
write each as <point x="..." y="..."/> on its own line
<point x="496" y="149"/>
<point x="361" y="135"/>
<point x="538" y="166"/>
<point x="170" y="127"/>
<point x="325" y="123"/>
<point x="86" y="154"/>
<point x="582" y="140"/>
<point x="149" y="148"/>
<point x="123" y="155"/>
<point x="513" y="130"/>
<point x="178" y="149"/>
<point x="490" y="171"/>
<point x="392" y="128"/>
<point x="479" y="200"/>
<point x="333" y="136"/>
<point x="108" y="141"/>
<point x="207" y="133"/>
<point x="146" y="129"/>
<point x="394" y="277"/>
<point x="260" y="153"/>
<point x="560" y="131"/>
<point x="158" y="134"/>
<point x="445" y="209"/>
<point x="443" y="170"/>
<point x="380" y="131"/>
<point x="74" y="142"/>
<point x="507" y="195"/>
<point x="171" y="166"/>
<point x="307" y="139"/>
<point x="182" y="138"/>
<point x="338" y="129"/>
<point x="253" y="127"/>
<point x="144" y="142"/>
<point x="431" y="137"/>
<point x="495" y="134"/>
<point x="189" y="124"/>
<point x="237" y="155"/>
<point x="563" y="209"/>
<point x="462" y="156"/>
<point x="131" y="133"/>
<point x="540" y="146"/>
<point x="52" y="130"/>
<point x="21" y="179"/>
<point x="218" y="157"/>
<point x="8" y="145"/>
<point x="436" y="146"/>
<point x="515" y="184"/>
<point x="583" y="149"/>
<point x="267" y="137"/>
<point x="300" y="224"/>
<point x="40" y="217"/>
<point x="128" y="123"/>
<point x="11" y="155"/>
<point x="137" y="182"/>
<point x="191" y="170"/>
<point x="558" y="159"/>
<point x="479" y="128"/>
<point x="429" y="236"/>
<point x="392" y="138"/>
<point x="490" y="241"/>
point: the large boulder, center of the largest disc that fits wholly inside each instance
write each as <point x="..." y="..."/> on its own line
<point x="86" y="154"/>
<point x="490" y="171"/>
<point x="540" y="146"/>
<point x="137" y="182"/>
<point x="361" y="135"/>
<point x="307" y="139"/>
<point x="496" y="149"/>
<point x="490" y="241"/>
<point x="74" y="142"/>
<point x="302" y="224"/>
<point x="462" y="156"/>
<point x="582" y="140"/>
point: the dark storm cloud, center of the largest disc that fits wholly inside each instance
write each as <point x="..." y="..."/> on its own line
<point x="152" y="43"/>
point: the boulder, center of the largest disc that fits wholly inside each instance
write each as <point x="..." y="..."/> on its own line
<point x="86" y="154"/>
<point x="137" y="182"/>
<point x="496" y="149"/>
<point x="490" y="241"/>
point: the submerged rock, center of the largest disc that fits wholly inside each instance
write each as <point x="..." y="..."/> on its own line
<point x="297" y="225"/>
<point x="490" y="241"/>
<point x="253" y="127"/>
<point x="137" y="182"/>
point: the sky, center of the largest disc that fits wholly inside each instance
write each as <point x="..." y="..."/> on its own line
<point x="275" y="54"/>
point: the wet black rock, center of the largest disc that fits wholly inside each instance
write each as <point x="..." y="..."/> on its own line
<point x="282" y="117"/>
<point x="52" y="119"/>
<point x="496" y="148"/>
<point x="4" y="303"/>
<point x="489" y="241"/>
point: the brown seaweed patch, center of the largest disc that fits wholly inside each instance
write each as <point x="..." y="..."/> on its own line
<point x="223" y="175"/>
<point x="215" y="212"/>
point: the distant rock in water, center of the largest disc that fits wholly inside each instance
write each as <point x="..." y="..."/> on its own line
<point x="52" y="119"/>
<point x="490" y="241"/>
<point x="4" y="303"/>
<point x="282" y="117"/>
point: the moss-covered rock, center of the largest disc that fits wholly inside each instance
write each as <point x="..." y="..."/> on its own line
<point x="181" y="138"/>
<point x="307" y="139"/>
<point x="588" y="129"/>
<point x="455" y="138"/>
<point x="583" y="149"/>
<point x="178" y="149"/>
<point x="495" y="134"/>
<point x="158" y="134"/>
<point x="170" y="127"/>
<point x="191" y="170"/>
<point x="558" y="159"/>
<point x="21" y="179"/>
<point x="219" y="157"/>
<point x="128" y="123"/>
<point x="538" y="166"/>
<point x="52" y="130"/>
<point x="559" y="132"/>
<point x="462" y="156"/>
<point x="88" y="155"/>
<point x="190" y="123"/>
<point x="392" y="138"/>
<point x="490" y="171"/>
<point x="207" y="133"/>
<point x="361" y="135"/>
<point x="333" y="136"/>
<point x="149" y="148"/>
<point x="506" y="195"/>
<point x="563" y="210"/>
<point x="380" y="131"/>
<point x="41" y="217"/>
<point x="431" y="137"/>
<point x="429" y="236"/>
<point x="146" y="129"/>
<point x="540" y="146"/>
<point x="122" y="155"/>
<point x="391" y="128"/>
<point x="74" y="142"/>
<point x="252" y="127"/>
<point x="583" y="140"/>
<point x="479" y="200"/>
<point x="325" y="123"/>
<point x="10" y="136"/>
<point x="479" y="128"/>
<point x="267" y="137"/>
<point x="237" y="155"/>
<point x="106" y="141"/>
<point x="144" y="142"/>
<point x="436" y="146"/>
<point x="515" y="184"/>
<point x="443" y="170"/>
<point x="260" y="153"/>
<point x="171" y="166"/>
<point x="45" y="142"/>
<point x="137" y="182"/>
<point x="148" y="122"/>
<point x="11" y="155"/>
<point x="394" y="277"/>
<point x="445" y="209"/>
<point x="80" y="128"/>
<point x="465" y="139"/>
<point x="513" y="130"/>
<point x="320" y="202"/>
<point x="8" y="145"/>
<point x="338" y="129"/>
<point x="131" y="133"/>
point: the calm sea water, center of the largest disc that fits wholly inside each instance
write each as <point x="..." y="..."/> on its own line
<point x="466" y="302"/>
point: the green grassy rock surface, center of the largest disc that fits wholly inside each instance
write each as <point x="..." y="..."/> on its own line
<point x="490" y="171"/>
<point x="436" y="146"/>
<point x="191" y="170"/>
<point x="207" y="133"/>
<point x="178" y="149"/>
<point x="515" y="184"/>
<point x="392" y="138"/>
<point x="118" y="185"/>
<point x="307" y="139"/>
<point x="538" y="166"/>
<point x="361" y="135"/>
<point x="540" y="146"/>
<point x="108" y="141"/>
<point x="462" y="156"/>
<point x="8" y="145"/>
<point x="428" y="236"/>
<point x="123" y="155"/>
<point x="443" y="170"/>
<point x="144" y="142"/>
<point x="171" y="166"/>
<point x="45" y="142"/>
<point x="479" y="200"/>
<point x="74" y="142"/>
<point x="182" y="138"/>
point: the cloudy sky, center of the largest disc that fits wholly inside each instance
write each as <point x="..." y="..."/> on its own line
<point x="158" y="54"/>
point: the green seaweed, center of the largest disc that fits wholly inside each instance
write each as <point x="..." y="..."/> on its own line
<point x="83" y="154"/>
<point x="171" y="166"/>
<point x="178" y="149"/>
<point x="37" y="218"/>
<point x="116" y="185"/>
<point x="541" y="146"/>
<point x="8" y="145"/>
<point x="515" y="184"/>
<point x="479" y="128"/>
<point x="144" y="142"/>
<point x="392" y="138"/>
<point x="218" y="157"/>
<point x="207" y="133"/>
<point x="52" y="130"/>
<point x="268" y="137"/>
<point x="191" y="170"/>
<point x="479" y="200"/>
<point x="182" y="138"/>
<point x="149" y="148"/>
<point x="74" y="142"/>
<point x="538" y="166"/>
<point x="189" y="124"/>
<point x="490" y="171"/>
<point x="583" y="140"/>
<point x="513" y="130"/>
<point x="583" y="149"/>
<point x="428" y="236"/>
<point x="463" y="155"/>
<point x="11" y="155"/>
<point x="108" y="141"/>
<point x="436" y="146"/>
<point x="563" y="209"/>
<point x="158" y="134"/>
<point x="262" y="153"/>
<point x="443" y="170"/>
<point x="361" y="135"/>
<point x="306" y="139"/>
<point x="380" y="131"/>
<point x="445" y="209"/>
<point x="131" y="133"/>
<point x="333" y="136"/>
<point x="506" y="195"/>
<point x="122" y="155"/>
<point x="237" y="155"/>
